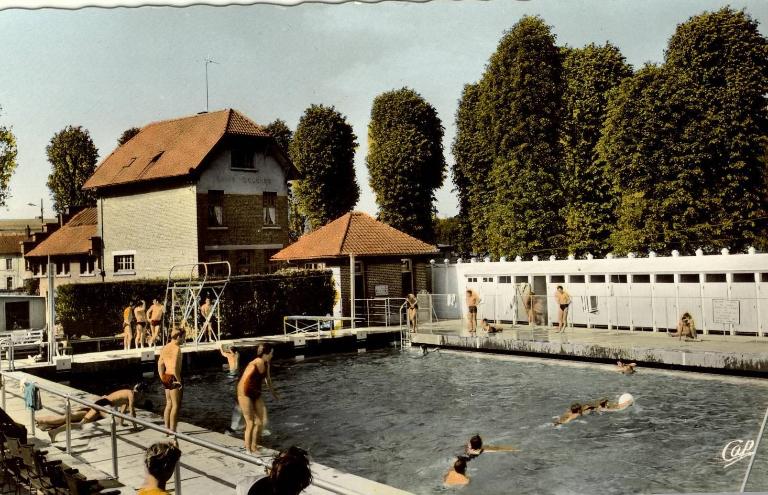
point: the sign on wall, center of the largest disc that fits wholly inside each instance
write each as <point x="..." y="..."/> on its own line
<point x="381" y="290"/>
<point x="725" y="311"/>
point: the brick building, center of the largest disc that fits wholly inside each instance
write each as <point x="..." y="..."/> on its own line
<point x="72" y="249"/>
<point x="210" y="187"/>
<point x="386" y="261"/>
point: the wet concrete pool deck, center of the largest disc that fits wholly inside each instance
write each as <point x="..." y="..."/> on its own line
<point x="713" y="353"/>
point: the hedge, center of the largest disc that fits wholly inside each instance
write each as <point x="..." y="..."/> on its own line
<point x="250" y="306"/>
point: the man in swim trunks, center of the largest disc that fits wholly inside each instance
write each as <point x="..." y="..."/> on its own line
<point x="472" y="300"/>
<point x="233" y="358"/>
<point x="249" y="395"/>
<point x="127" y="326"/>
<point x="140" y="312"/>
<point x="123" y="400"/>
<point x="528" y="297"/>
<point x="169" y="370"/>
<point x="205" y="310"/>
<point x="563" y="300"/>
<point x="155" y="316"/>
<point x="412" y="305"/>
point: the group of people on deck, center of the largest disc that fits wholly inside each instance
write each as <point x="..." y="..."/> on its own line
<point x="531" y="303"/>
<point x="142" y="324"/>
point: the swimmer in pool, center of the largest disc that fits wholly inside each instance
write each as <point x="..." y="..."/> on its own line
<point x="626" y="368"/>
<point x="457" y="476"/>
<point x="573" y="412"/>
<point x="475" y="447"/>
<point x="623" y="402"/>
<point x="232" y="354"/>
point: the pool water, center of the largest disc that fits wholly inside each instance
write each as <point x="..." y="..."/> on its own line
<point x="400" y="418"/>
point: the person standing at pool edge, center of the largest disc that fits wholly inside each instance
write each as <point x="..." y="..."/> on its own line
<point x="127" y="326"/>
<point x="155" y="317"/>
<point x="141" y="322"/>
<point x="472" y="300"/>
<point x="169" y="370"/>
<point x="563" y="300"/>
<point x="249" y="395"/>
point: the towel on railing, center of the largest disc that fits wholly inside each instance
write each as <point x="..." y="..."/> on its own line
<point x="32" y="397"/>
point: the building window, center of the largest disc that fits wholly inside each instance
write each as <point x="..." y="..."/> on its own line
<point x="689" y="278"/>
<point x="641" y="279"/>
<point x="9" y="283"/>
<point x="87" y="266"/>
<point x="618" y="279"/>
<point x="215" y="208"/>
<point x="557" y="279"/>
<point x="62" y="268"/>
<point x="314" y="266"/>
<point x="270" y="208"/>
<point x="487" y="280"/>
<point x="741" y="278"/>
<point x="243" y="262"/>
<point x="8" y="264"/>
<point x="28" y="265"/>
<point x="124" y="263"/>
<point x="242" y="157"/>
<point x="715" y="277"/>
<point x="505" y="279"/>
<point x="576" y="279"/>
<point x="597" y="279"/>
<point x="665" y="278"/>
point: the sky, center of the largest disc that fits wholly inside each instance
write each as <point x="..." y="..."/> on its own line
<point x="110" y="69"/>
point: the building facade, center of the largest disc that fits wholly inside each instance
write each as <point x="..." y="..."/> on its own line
<point x="11" y="262"/>
<point x="206" y="188"/>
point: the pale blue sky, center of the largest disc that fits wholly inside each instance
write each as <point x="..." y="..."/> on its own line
<point x="110" y="69"/>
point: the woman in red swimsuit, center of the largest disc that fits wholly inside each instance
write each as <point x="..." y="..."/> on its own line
<point x="249" y="396"/>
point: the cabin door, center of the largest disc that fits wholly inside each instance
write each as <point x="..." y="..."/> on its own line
<point x="540" y="299"/>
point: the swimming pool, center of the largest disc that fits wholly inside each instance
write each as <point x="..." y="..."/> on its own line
<point x="400" y="419"/>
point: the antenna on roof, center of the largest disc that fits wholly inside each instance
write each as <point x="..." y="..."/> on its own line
<point x="207" y="61"/>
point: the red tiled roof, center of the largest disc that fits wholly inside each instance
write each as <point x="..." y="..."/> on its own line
<point x="170" y="148"/>
<point x="73" y="238"/>
<point x="9" y="244"/>
<point x="355" y="233"/>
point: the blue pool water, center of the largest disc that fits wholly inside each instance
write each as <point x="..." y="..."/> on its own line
<point x="400" y="418"/>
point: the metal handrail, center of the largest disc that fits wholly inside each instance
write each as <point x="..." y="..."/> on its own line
<point x="752" y="459"/>
<point x="332" y="487"/>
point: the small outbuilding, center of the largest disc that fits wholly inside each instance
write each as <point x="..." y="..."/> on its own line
<point x="372" y="260"/>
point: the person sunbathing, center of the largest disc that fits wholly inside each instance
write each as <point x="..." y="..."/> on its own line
<point x="123" y="400"/>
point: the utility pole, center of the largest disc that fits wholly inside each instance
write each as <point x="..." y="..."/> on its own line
<point x="207" y="61"/>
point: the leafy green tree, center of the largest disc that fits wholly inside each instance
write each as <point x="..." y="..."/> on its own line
<point x="8" y="152"/>
<point x="405" y="160"/>
<point x="589" y="74"/>
<point x="127" y="135"/>
<point x="725" y="57"/>
<point x="520" y="110"/>
<point x="73" y="157"/>
<point x="448" y="230"/>
<point x="470" y="172"/>
<point x="323" y="149"/>
<point x="296" y="221"/>
<point x="652" y="142"/>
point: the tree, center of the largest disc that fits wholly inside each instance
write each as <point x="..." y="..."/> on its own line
<point x="519" y="108"/>
<point x="589" y="74"/>
<point x="279" y="130"/>
<point x="73" y="157"/>
<point x="470" y="172"/>
<point x="8" y="152"/>
<point x="405" y="160"/>
<point x="127" y="135"/>
<point x="448" y="230"/>
<point x="652" y="142"/>
<point x="323" y="150"/>
<point x="725" y="57"/>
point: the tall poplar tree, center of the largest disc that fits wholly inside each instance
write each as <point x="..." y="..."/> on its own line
<point x="725" y="57"/>
<point x="652" y="142"/>
<point x="520" y="110"/>
<point x="405" y="160"/>
<point x="73" y="157"/>
<point x="470" y="173"/>
<point x="323" y="150"/>
<point x="589" y="74"/>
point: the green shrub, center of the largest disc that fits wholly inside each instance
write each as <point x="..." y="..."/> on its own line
<point x="250" y="306"/>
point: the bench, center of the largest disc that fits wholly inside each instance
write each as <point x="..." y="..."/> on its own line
<point x="23" y="340"/>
